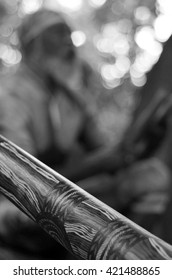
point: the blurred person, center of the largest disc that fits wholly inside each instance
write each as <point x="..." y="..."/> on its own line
<point x="46" y="108"/>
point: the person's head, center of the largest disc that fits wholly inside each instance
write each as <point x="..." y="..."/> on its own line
<point x="45" y="40"/>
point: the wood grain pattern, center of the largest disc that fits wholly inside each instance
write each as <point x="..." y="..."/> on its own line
<point x="85" y="226"/>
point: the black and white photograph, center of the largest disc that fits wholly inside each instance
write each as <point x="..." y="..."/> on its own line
<point x="85" y="135"/>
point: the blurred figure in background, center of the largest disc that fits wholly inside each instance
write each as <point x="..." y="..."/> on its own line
<point x="45" y="105"/>
<point x="47" y="109"/>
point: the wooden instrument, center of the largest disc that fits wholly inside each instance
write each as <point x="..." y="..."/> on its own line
<point x="85" y="226"/>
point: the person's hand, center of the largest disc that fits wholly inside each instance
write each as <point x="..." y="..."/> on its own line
<point x="145" y="186"/>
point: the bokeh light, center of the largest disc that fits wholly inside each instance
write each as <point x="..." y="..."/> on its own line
<point x="9" y="55"/>
<point x="121" y="45"/>
<point x="123" y="64"/>
<point x="145" y="39"/>
<point x="163" y="22"/>
<point x="72" y="5"/>
<point x="31" y="6"/>
<point x="142" y="14"/>
<point x="111" y="75"/>
<point x="112" y="40"/>
<point x="97" y="3"/>
<point x="103" y="44"/>
<point x="78" y="38"/>
<point x="165" y="6"/>
<point x="138" y="81"/>
<point x="144" y="62"/>
<point x="107" y="72"/>
<point x="163" y="27"/>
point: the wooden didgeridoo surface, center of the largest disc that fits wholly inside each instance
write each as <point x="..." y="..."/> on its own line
<point x="85" y="226"/>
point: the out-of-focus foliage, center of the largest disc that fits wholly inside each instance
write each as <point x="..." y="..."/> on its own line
<point x="122" y="39"/>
